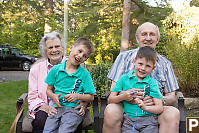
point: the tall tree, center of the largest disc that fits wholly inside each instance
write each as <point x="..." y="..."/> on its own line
<point x="49" y="11"/>
<point x="125" y="25"/>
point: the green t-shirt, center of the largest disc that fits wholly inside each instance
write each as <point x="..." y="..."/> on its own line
<point x="78" y="82"/>
<point x="129" y="81"/>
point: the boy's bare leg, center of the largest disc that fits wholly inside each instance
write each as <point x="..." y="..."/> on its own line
<point x="169" y="120"/>
<point x="113" y="117"/>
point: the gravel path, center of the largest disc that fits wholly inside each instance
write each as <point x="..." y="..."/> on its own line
<point x="13" y="75"/>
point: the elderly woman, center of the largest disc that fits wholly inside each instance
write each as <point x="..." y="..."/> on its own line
<point x="52" y="50"/>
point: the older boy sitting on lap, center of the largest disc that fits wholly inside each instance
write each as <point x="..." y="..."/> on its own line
<point x="72" y="83"/>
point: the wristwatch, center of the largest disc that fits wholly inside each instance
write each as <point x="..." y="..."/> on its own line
<point x="164" y="102"/>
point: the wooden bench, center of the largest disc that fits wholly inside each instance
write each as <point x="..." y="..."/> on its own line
<point x="94" y="126"/>
<point x="99" y="114"/>
<point x="180" y="106"/>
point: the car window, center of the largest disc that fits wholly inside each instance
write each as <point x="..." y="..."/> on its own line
<point x="1" y="51"/>
<point x="6" y="51"/>
<point x="16" y="50"/>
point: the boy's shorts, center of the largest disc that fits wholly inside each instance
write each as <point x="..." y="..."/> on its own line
<point x="65" y="121"/>
<point x="147" y="124"/>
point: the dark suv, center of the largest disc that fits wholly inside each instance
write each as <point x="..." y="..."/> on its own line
<point x="11" y="57"/>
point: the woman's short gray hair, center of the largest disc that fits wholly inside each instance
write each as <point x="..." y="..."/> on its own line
<point x="51" y="35"/>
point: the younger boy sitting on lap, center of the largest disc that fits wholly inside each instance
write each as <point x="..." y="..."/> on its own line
<point x="71" y="83"/>
<point x="137" y="116"/>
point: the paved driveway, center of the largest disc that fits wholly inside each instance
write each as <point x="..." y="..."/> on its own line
<point x="13" y="75"/>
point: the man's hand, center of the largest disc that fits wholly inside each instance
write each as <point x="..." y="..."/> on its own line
<point x="148" y="101"/>
<point x="140" y="103"/>
<point x="170" y="98"/>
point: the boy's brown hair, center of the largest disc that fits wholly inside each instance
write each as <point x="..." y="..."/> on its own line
<point x="148" y="53"/>
<point x="86" y="42"/>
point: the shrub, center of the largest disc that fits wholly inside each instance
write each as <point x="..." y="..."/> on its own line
<point x="185" y="60"/>
<point x="99" y="75"/>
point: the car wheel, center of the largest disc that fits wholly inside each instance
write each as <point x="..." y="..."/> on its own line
<point x="26" y="65"/>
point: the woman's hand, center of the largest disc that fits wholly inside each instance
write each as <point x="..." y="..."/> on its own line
<point x="44" y="107"/>
<point x="56" y="100"/>
<point x="82" y="107"/>
<point x="48" y="109"/>
<point x="52" y="111"/>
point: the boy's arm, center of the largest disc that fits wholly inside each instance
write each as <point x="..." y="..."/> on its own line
<point x="55" y="97"/>
<point x="116" y="97"/>
<point x="84" y="97"/>
<point x="157" y="108"/>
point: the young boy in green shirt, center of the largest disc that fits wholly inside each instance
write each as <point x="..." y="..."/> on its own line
<point x="67" y="84"/>
<point x="139" y="117"/>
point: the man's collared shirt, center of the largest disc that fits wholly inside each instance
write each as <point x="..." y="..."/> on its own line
<point x="163" y="72"/>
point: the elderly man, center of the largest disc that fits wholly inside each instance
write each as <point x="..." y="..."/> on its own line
<point x="52" y="50"/>
<point x="146" y="35"/>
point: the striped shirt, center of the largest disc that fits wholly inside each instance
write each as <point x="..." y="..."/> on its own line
<point x="163" y="71"/>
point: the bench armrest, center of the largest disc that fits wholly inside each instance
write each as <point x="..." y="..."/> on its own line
<point x="20" y="101"/>
<point x="180" y="105"/>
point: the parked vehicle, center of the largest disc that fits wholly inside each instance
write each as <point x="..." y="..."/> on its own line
<point x="11" y="57"/>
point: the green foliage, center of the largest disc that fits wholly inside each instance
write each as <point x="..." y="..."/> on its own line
<point x="142" y="12"/>
<point x="100" y="21"/>
<point x="182" y="47"/>
<point x="22" y="23"/>
<point x="183" y="24"/>
<point x="99" y="74"/>
<point x="186" y="64"/>
<point x="194" y="3"/>
<point x="161" y="46"/>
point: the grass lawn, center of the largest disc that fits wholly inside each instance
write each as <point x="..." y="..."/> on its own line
<point x="10" y="92"/>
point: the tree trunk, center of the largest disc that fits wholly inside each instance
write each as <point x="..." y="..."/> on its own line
<point x="49" y="11"/>
<point x="125" y="25"/>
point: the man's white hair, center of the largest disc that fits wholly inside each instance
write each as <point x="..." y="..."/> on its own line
<point x="156" y="27"/>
